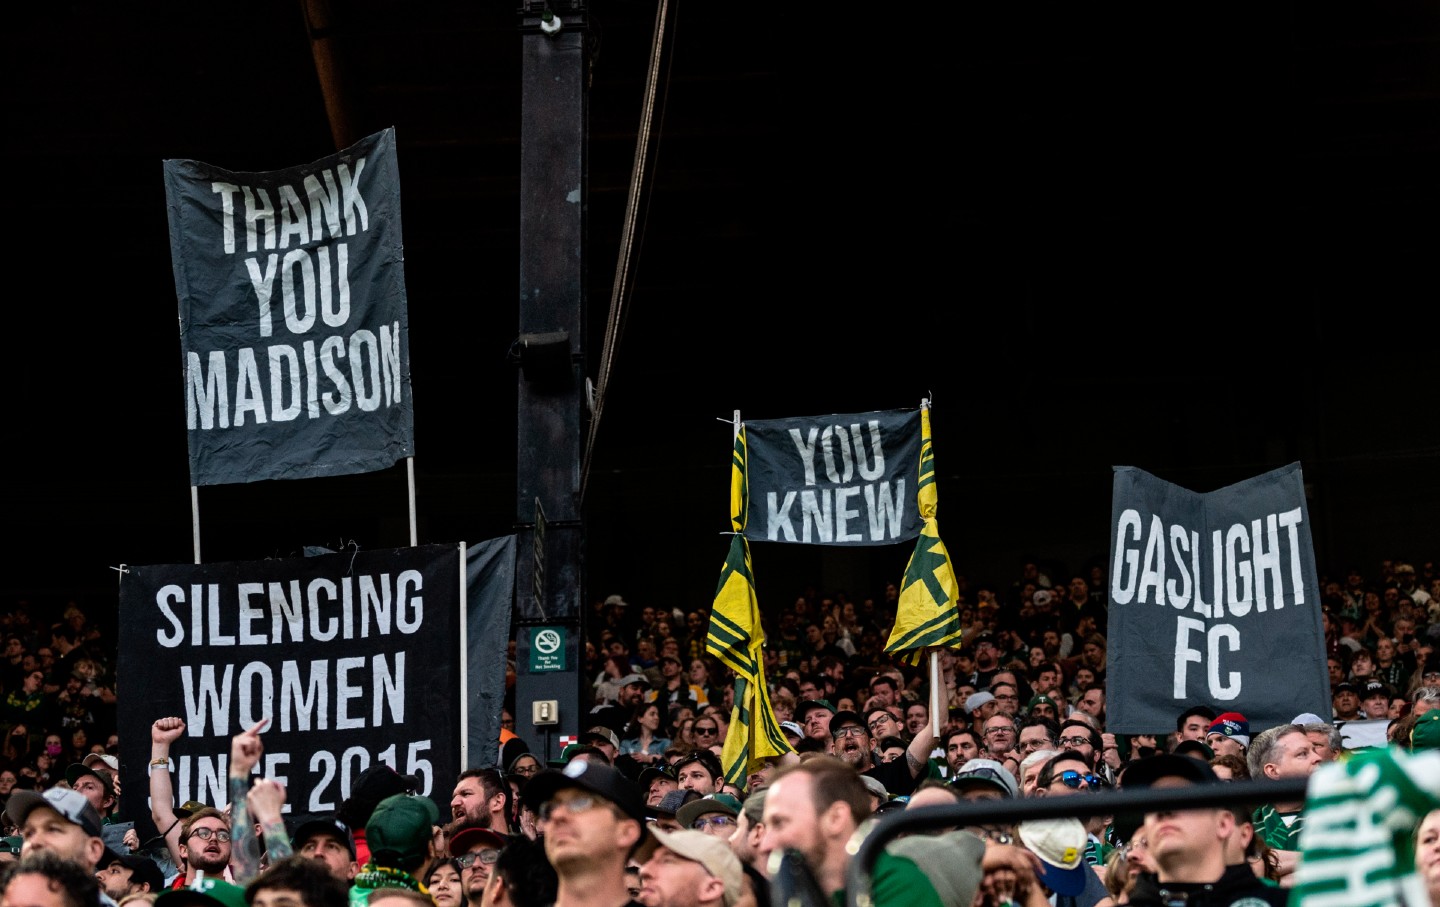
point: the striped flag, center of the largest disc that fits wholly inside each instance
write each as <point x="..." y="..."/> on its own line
<point x="928" y="613"/>
<point x="737" y="639"/>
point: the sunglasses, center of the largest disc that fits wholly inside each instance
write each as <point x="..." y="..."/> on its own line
<point x="1074" y="780"/>
<point x="705" y="731"/>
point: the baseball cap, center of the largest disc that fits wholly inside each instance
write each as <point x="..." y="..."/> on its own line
<point x="1060" y="845"/>
<point x="203" y="892"/>
<point x="68" y="803"/>
<point x="876" y="787"/>
<point x="1202" y="750"/>
<point x="595" y="777"/>
<point x="142" y="869"/>
<point x="78" y="770"/>
<point x="380" y="781"/>
<point x="985" y="773"/>
<point x="1041" y="699"/>
<point x="471" y="835"/>
<point x="844" y="717"/>
<point x="670" y="804"/>
<point x="976" y="700"/>
<point x="599" y="734"/>
<point x="1342" y="687"/>
<point x="1426" y="733"/>
<point x="955" y="880"/>
<point x="105" y="759"/>
<point x="710" y="852"/>
<point x="632" y="678"/>
<point x="616" y="600"/>
<point x="1232" y="725"/>
<point x="1145" y="772"/>
<point x="188" y="808"/>
<point x="710" y="803"/>
<point x="809" y="705"/>
<point x="1374" y="687"/>
<point x="651" y="772"/>
<point x="307" y="827"/>
<point x="1305" y="718"/>
<point x="402" y="825"/>
<point x="12" y="845"/>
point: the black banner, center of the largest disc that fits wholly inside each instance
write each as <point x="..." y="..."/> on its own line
<point x="354" y="659"/>
<point x="834" y="480"/>
<point x="1214" y="600"/>
<point x="293" y="327"/>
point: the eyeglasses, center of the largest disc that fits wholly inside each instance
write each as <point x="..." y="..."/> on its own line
<point x="574" y="805"/>
<point x="526" y="769"/>
<point x="878" y="722"/>
<point x="1071" y="743"/>
<point x="994" y="834"/>
<point x="705" y="822"/>
<point x="206" y="834"/>
<point x="1074" y="779"/>
<point x="1133" y="846"/>
<point x="488" y="857"/>
<point x="849" y="730"/>
<point x="997" y="731"/>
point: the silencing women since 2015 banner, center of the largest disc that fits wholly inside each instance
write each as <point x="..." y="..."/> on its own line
<point x="1214" y="600"/>
<point x="293" y="327"/>
<point x="354" y="658"/>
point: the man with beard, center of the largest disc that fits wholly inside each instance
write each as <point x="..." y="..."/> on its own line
<point x="814" y="807"/>
<point x="60" y="822"/>
<point x="481" y="797"/>
<point x="987" y="659"/>
<point x="960" y="747"/>
<point x="204" y="845"/>
<point x="130" y="874"/>
<point x="852" y="745"/>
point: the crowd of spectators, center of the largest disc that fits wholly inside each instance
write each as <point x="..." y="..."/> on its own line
<point x="1025" y="717"/>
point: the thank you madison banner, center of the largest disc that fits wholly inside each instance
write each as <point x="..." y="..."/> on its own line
<point x="293" y="328"/>
<point x="1214" y="600"/>
<point x="834" y="480"/>
<point x="353" y="657"/>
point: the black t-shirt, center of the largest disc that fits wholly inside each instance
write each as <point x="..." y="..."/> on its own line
<point x="896" y="776"/>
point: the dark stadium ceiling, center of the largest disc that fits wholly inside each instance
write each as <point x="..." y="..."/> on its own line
<point x="1195" y="239"/>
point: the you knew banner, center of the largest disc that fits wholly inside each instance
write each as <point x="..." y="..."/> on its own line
<point x="293" y="328"/>
<point x="834" y="480"/>
<point x="1214" y="600"/>
<point x="353" y="657"/>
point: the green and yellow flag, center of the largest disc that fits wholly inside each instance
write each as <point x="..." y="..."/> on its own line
<point x="928" y="613"/>
<point x="737" y="639"/>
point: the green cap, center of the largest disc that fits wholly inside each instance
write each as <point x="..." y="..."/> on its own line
<point x="402" y="825"/>
<point x="203" y="892"/>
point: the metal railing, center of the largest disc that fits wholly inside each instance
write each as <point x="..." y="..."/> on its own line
<point x="1101" y="803"/>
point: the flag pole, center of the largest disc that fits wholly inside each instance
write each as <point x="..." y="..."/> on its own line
<point x="937" y="684"/>
<point x="410" y="468"/>
<point x="195" y="519"/>
<point x="937" y="694"/>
